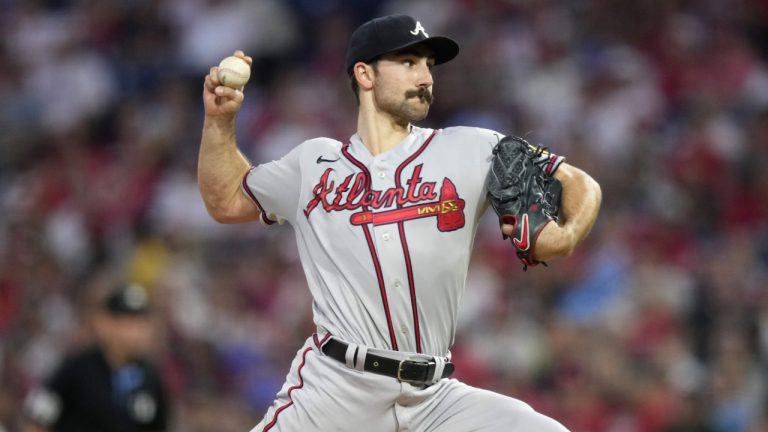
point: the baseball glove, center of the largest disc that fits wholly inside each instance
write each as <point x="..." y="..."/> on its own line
<point x="523" y="191"/>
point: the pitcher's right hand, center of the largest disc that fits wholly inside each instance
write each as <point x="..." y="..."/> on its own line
<point x="221" y="101"/>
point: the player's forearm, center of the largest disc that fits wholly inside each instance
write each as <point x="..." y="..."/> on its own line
<point x="580" y="204"/>
<point x="581" y="201"/>
<point x="220" y="170"/>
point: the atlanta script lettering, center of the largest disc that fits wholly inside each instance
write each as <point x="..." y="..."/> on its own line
<point x="351" y="193"/>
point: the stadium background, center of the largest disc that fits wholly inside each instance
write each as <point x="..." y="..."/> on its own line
<point x="659" y="322"/>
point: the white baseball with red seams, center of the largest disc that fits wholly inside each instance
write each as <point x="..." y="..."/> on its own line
<point x="234" y="72"/>
<point x="385" y="244"/>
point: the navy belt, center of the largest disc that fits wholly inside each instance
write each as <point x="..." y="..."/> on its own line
<point x="415" y="372"/>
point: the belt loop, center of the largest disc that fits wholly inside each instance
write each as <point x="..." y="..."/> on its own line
<point x="362" y="351"/>
<point x="350" y="355"/>
<point x="439" y="366"/>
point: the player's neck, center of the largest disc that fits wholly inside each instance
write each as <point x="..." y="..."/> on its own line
<point x="116" y="357"/>
<point x="379" y="131"/>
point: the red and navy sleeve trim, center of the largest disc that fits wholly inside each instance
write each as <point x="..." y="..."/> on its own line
<point x="248" y="192"/>
<point x="554" y="163"/>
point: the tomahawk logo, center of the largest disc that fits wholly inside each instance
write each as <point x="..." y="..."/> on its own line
<point x="418" y="29"/>
<point x="448" y="209"/>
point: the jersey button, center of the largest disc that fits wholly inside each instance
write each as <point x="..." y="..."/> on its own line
<point x="385" y="236"/>
<point x="382" y="174"/>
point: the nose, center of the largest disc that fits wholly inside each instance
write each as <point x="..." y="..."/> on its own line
<point x="425" y="75"/>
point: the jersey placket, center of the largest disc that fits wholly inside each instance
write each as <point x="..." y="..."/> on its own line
<point x="390" y="252"/>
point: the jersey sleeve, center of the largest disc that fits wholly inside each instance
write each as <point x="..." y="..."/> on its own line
<point x="486" y="140"/>
<point x="275" y="187"/>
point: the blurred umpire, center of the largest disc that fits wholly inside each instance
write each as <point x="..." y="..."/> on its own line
<point x="109" y="386"/>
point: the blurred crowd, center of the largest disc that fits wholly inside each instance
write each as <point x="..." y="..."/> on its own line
<point x="658" y="322"/>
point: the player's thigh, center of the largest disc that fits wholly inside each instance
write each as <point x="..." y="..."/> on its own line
<point x="460" y="407"/>
<point x="321" y="394"/>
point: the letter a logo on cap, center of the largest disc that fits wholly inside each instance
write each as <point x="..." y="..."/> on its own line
<point x="418" y="29"/>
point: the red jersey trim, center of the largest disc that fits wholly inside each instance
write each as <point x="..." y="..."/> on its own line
<point x="250" y="194"/>
<point x="404" y="242"/>
<point x="290" y="390"/>
<point x="372" y="249"/>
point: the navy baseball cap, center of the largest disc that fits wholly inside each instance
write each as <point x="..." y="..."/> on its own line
<point x="392" y="33"/>
<point x="127" y="299"/>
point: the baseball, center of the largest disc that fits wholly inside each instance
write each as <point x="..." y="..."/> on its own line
<point x="234" y="72"/>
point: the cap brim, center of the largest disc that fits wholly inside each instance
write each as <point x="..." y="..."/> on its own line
<point x="444" y="49"/>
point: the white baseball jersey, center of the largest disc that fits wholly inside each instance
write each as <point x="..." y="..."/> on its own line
<point x="384" y="240"/>
<point x="385" y="243"/>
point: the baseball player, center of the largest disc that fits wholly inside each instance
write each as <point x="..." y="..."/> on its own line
<point x="384" y="223"/>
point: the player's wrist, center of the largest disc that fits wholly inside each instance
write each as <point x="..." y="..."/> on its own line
<point x="555" y="240"/>
<point x="567" y="239"/>
<point x="221" y="123"/>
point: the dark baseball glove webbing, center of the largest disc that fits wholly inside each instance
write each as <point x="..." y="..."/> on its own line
<point x="523" y="191"/>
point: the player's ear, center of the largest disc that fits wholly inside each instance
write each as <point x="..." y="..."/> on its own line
<point x="364" y="75"/>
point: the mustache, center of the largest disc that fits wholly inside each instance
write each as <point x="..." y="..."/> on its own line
<point x="422" y="93"/>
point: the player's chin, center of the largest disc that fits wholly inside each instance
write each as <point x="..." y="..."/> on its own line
<point x="417" y="112"/>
